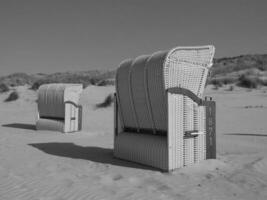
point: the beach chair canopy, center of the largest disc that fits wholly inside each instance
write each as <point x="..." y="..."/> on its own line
<point x="53" y="97"/>
<point x="141" y="85"/>
<point x="58" y="107"/>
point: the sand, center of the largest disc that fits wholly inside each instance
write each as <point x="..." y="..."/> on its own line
<point x="54" y="166"/>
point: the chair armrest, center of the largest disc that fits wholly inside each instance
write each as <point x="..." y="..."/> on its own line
<point x="186" y="92"/>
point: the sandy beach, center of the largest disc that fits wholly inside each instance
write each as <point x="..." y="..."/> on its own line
<point x="48" y="165"/>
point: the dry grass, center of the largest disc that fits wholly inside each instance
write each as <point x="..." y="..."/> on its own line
<point x="3" y="88"/>
<point x="13" y="96"/>
<point x="107" y="102"/>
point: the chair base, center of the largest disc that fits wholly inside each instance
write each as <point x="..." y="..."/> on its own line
<point x="50" y="124"/>
<point x="150" y="150"/>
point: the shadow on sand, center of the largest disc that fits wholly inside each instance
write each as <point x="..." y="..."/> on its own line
<point x="246" y="134"/>
<point x="95" y="154"/>
<point x="21" y="126"/>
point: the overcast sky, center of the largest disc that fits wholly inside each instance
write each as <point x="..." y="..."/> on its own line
<point x="60" y="35"/>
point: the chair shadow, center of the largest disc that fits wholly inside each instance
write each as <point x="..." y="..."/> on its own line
<point x="21" y="126"/>
<point x="246" y="134"/>
<point x="95" y="154"/>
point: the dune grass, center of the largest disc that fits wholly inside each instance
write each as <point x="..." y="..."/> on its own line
<point x="3" y="88"/>
<point x="13" y="96"/>
<point x="107" y="102"/>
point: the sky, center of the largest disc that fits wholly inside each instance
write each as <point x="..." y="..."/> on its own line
<point x="47" y="36"/>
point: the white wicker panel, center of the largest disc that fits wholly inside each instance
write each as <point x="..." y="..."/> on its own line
<point x="188" y="124"/>
<point x="188" y="151"/>
<point x="146" y="149"/>
<point x="200" y="140"/>
<point x="72" y="93"/>
<point x="184" y="76"/>
<point x="203" y="83"/>
<point x="189" y="106"/>
<point x="52" y="100"/>
<point x="71" y="118"/>
<point x="175" y="130"/>
<point x="139" y="91"/>
<point x="201" y="55"/>
<point x="124" y="95"/>
<point x="187" y="67"/>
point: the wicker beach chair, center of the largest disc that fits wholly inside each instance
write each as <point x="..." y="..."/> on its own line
<point x="160" y="117"/>
<point x="58" y="107"/>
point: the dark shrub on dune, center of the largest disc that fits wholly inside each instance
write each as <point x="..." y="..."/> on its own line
<point x="3" y="88"/>
<point x="107" y="102"/>
<point x="105" y="82"/>
<point x="231" y="88"/>
<point x="36" y="85"/>
<point x="248" y="82"/>
<point x="216" y="82"/>
<point x="12" y="96"/>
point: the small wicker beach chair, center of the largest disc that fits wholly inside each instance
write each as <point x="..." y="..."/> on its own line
<point x="160" y="117"/>
<point x="58" y="107"/>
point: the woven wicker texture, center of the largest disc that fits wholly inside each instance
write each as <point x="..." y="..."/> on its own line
<point x="156" y="91"/>
<point x="200" y="140"/>
<point x="52" y="98"/>
<point x="57" y="103"/>
<point x="146" y="149"/>
<point x="124" y="94"/>
<point x="188" y="68"/>
<point x="50" y="124"/>
<point x="144" y="103"/>
<point x="188" y="151"/>
<point x="138" y="92"/>
<point x="175" y="131"/>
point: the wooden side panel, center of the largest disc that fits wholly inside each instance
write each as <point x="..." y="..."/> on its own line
<point x="80" y="120"/>
<point x="210" y="129"/>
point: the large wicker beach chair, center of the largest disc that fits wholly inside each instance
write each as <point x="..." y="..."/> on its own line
<point x="58" y="107"/>
<point x="160" y="117"/>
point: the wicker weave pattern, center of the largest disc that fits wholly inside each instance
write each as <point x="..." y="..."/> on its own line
<point x="150" y="150"/>
<point x="50" y="124"/>
<point x="199" y="56"/>
<point x="138" y="89"/>
<point x="200" y="140"/>
<point x="124" y="94"/>
<point x="188" y="68"/>
<point x="58" y="107"/>
<point x="188" y="151"/>
<point x="144" y="103"/>
<point x="51" y="94"/>
<point x="156" y="91"/>
<point x="175" y="130"/>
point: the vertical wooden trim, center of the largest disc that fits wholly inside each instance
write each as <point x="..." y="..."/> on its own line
<point x="80" y="118"/>
<point x="210" y="129"/>
<point x="115" y="115"/>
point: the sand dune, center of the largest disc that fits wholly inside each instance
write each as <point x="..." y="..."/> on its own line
<point x="52" y="166"/>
